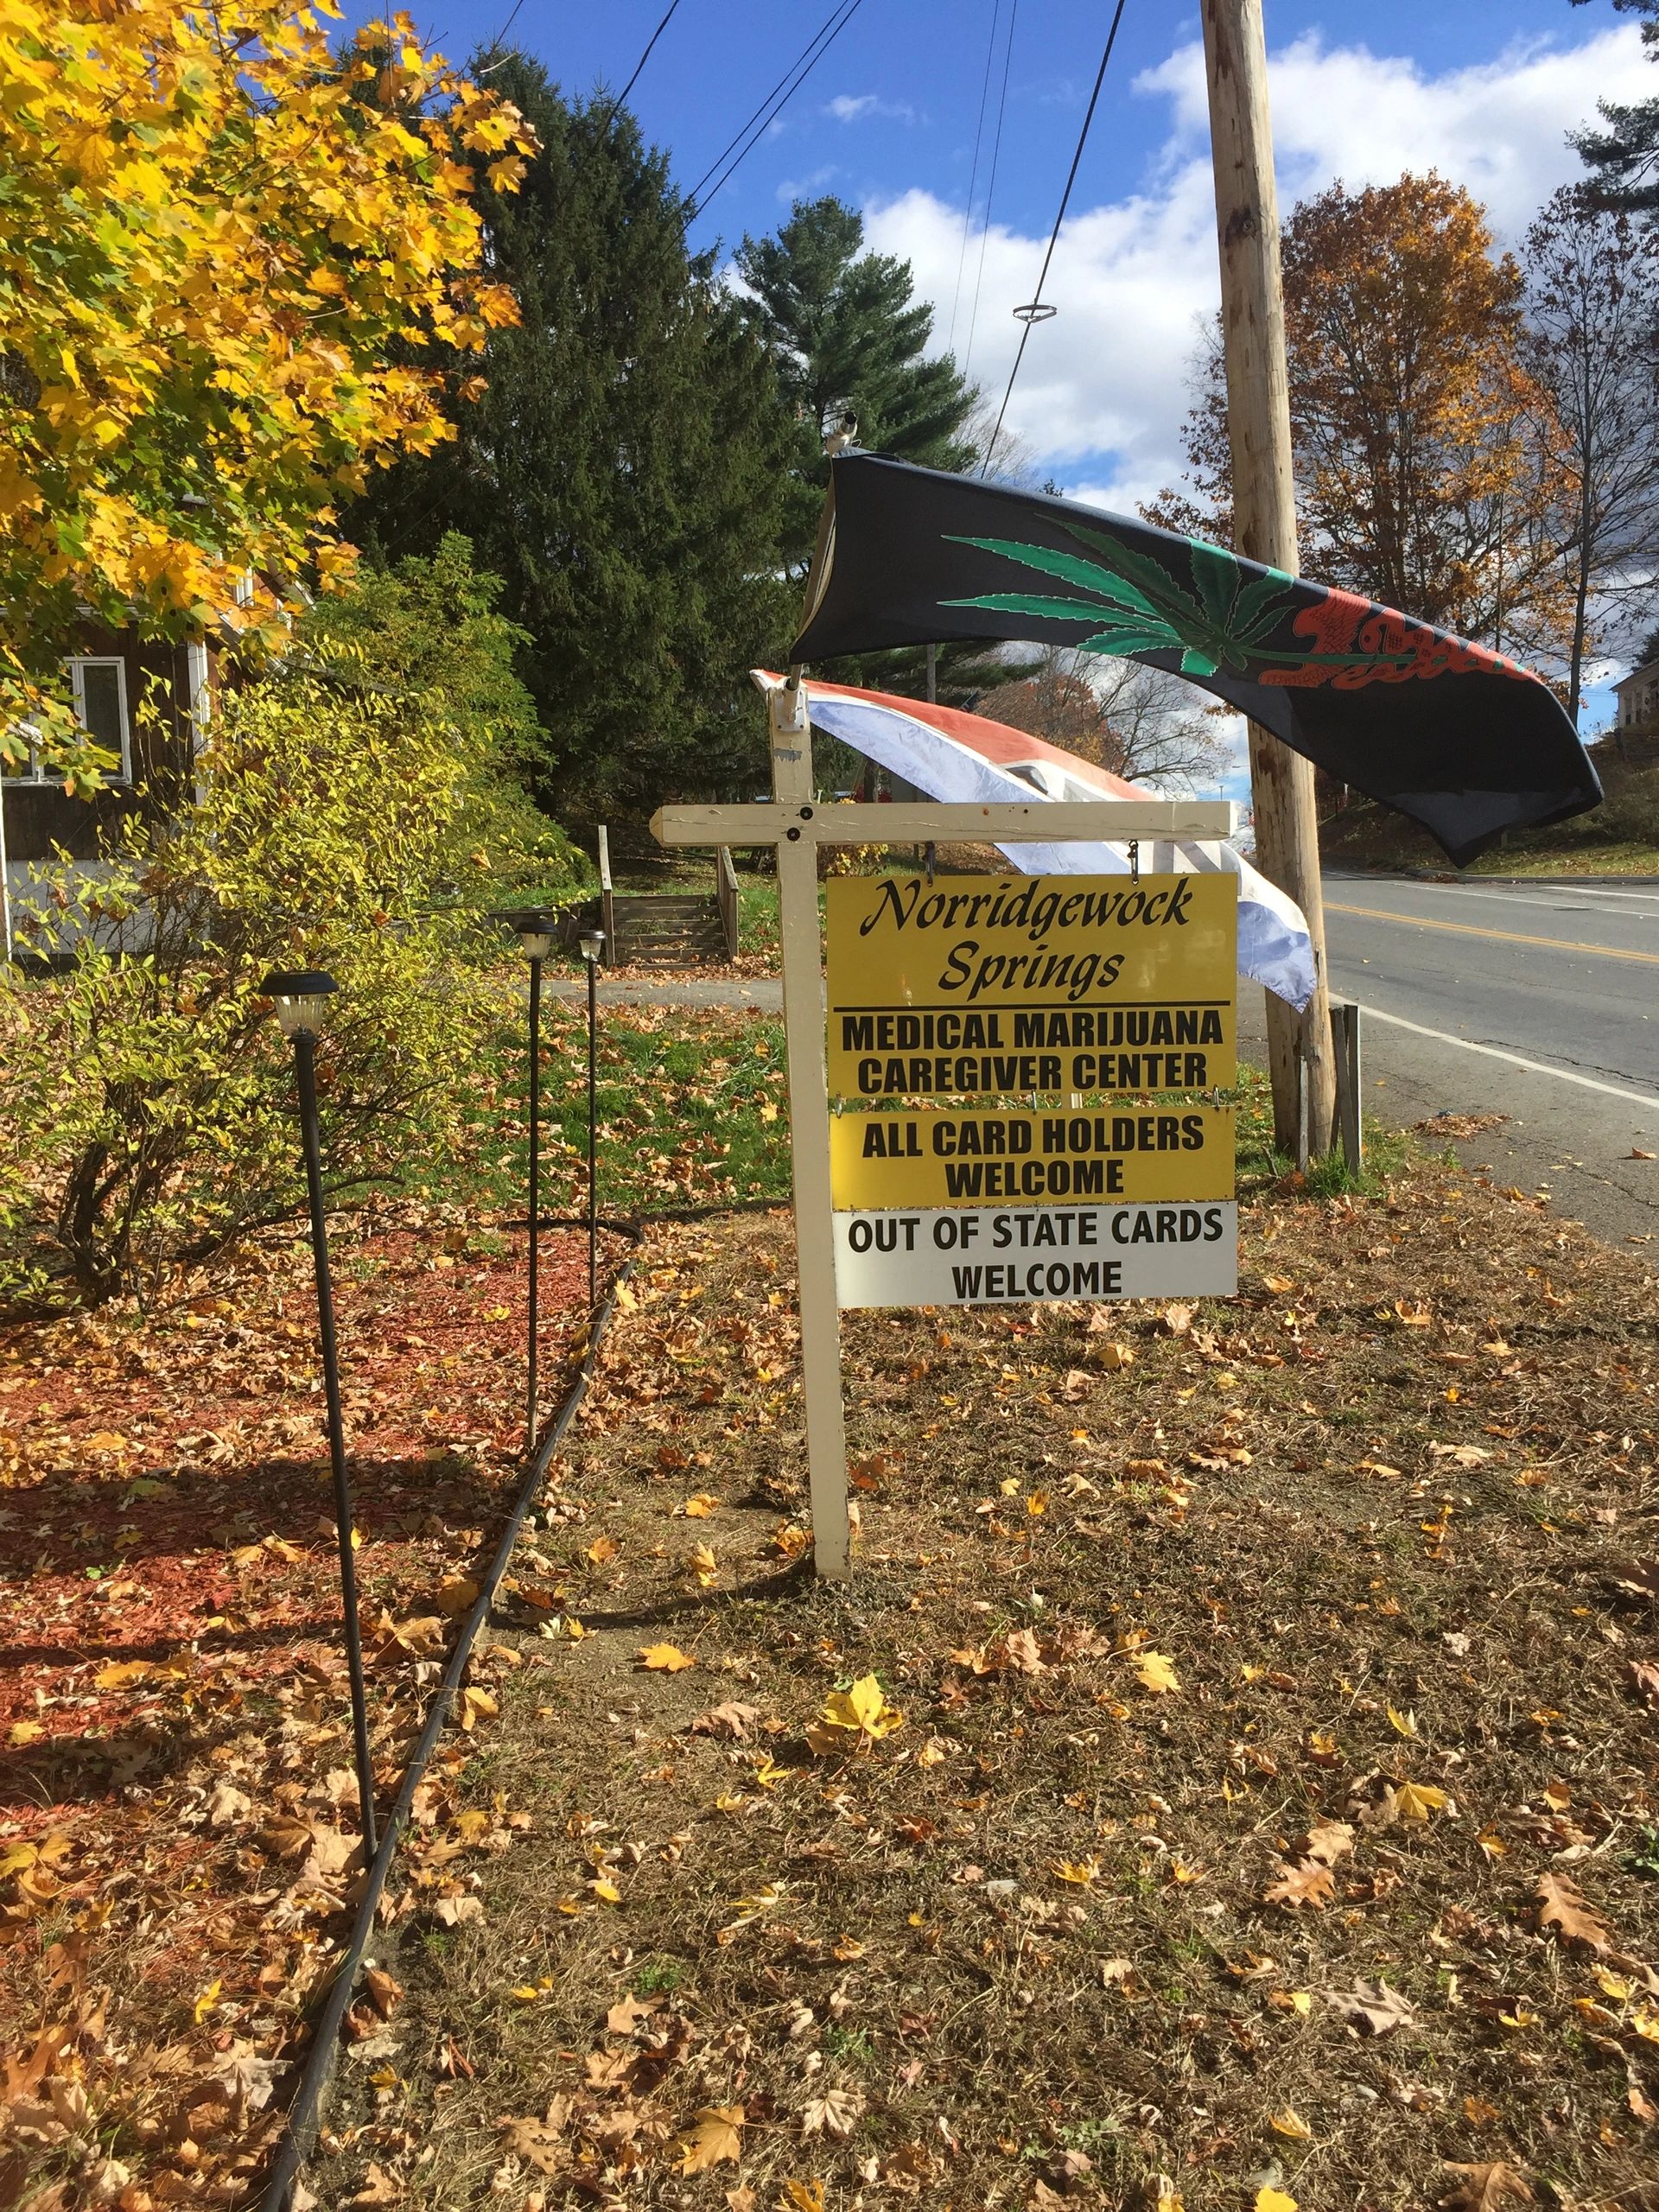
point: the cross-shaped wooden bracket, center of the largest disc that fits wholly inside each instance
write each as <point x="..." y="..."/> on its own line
<point x="795" y="824"/>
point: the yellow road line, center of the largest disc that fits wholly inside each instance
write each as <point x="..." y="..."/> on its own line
<point x="1503" y="937"/>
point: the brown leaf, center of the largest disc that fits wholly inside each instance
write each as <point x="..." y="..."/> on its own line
<point x="1645" y="1678"/>
<point x="1330" y="1841"/>
<point x="1025" y="1654"/>
<point x="1178" y="1319"/>
<point x="225" y="1803"/>
<point x="625" y="2015"/>
<point x="378" y="2188"/>
<point x="734" y="1719"/>
<point x="1637" y="1578"/>
<point x="1485" y="2188"/>
<point x="533" y="2141"/>
<point x="1305" y="1883"/>
<point x="716" y="2139"/>
<point x="1372" y="2005"/>
<point x="834" y="2113"/>
<point x="385" y="1993"/>
<point x="1562" y="1908"/>
<point x="453" y="1911"/>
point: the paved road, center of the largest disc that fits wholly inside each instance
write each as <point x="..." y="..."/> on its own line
<point x="1536" y="999"/>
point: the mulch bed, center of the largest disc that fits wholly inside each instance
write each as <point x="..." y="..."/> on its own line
<point x="178" y="1844"/>
<point x="1230" y="1778"/>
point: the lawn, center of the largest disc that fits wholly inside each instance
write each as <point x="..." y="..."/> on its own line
<point x="1230" y="1770"/>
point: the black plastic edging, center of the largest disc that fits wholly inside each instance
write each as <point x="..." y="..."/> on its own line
<point x="305" y="2114"/>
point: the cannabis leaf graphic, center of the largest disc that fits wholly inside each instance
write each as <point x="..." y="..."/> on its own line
<point x="1137" y="607"/>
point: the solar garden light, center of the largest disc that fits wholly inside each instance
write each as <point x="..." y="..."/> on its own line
<point x="534" y="927"/>
<point x="593" y="944"/>
<point x="301" y="997"/>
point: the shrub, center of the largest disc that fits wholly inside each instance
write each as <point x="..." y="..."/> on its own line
<point x="147" y="1094"/>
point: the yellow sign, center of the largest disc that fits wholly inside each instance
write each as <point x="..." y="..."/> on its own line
<point x="896" y="1160"/>
<point x="996" y="984"/>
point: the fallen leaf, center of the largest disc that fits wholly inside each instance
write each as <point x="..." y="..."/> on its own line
<point x="225" y="1803"/>
<point x="1024" y="1653"/>
<point x="700" y="1507"/>
<point x="602" y="1548"/>
<point x="477" y="1705"/>
<point x="803" y="2195"/>
<point x="861" y="1713"/>
<point x="453" y="1911"/>
<point x="1274" y="2200"/>
<point x="1155" y="1672"/>
<point x="836" y="2113"/>
<point x="1415" y="1801"/>
<point x="1372" y="2005"/>
<point x="1644" y="1677"/>
<point x="1178" y="1319"/>
<point x="1290" y="2125"/>
<point x="625" y="2015"/>
<point x="732" y="1719"/>
<point x="716" y="2139"/>
<point x="26" y="1731"/>
<point x="1485" y="2188"/>
<point x="532" y="2141"/>
<point x="663" y="1658"/>
<point x="1562" y="1908"/>
<point x="1330" y="1841"/>
<point x="1305" y="1883"/>
<point x="457" y="1594"/>
<point x="378" y="2188"/>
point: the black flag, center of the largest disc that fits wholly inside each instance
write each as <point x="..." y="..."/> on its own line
<point x="1459" y="739"/>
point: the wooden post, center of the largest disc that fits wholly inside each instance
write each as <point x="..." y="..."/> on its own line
<point x="808" y="1133"/>
<point x="1264" y="525"/>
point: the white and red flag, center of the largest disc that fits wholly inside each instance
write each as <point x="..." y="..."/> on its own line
<point x="958" y="757"/>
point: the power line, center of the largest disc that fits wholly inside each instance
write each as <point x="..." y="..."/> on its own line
<point x="610" y="113"/>
<point x="973" y="176"/>
<point x="1032" y="312"/>
<point x="495" y="43"/>
<point x="787" y="85"/>
<point x="990" y="189"/>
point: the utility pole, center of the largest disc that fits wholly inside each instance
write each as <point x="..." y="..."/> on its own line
<point x="1264" y="510"/>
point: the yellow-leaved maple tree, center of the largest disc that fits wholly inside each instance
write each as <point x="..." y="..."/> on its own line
<point x="225" y="248"/>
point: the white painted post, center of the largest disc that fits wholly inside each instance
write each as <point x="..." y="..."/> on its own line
<point x="808" y="1124"/>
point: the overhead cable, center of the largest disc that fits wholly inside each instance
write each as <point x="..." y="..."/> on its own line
<point x="990" y="189"/>
<point x="1034" y="310"/>
<point x="722" y="169"/>
<point x="610" y="113"/>
<point x="972" y="174"/>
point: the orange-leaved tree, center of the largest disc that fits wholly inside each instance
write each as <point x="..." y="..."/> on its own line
<point x="224" y="248"/>
<point x="1424" y="476"/>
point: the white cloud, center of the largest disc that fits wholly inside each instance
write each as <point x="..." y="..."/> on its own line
<point x="1104" y="385"/>
<point x="849" y="107"/>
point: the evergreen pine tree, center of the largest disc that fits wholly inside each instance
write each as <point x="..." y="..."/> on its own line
<point x="624" y="472"/>
<point x="1623" y="158"/>
<point x="849" y="337"/>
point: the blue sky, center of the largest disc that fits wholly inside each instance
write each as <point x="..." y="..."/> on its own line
<point x="1484" y="90"/>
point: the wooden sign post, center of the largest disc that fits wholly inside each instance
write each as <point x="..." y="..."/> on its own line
<point x="795" y="825"/>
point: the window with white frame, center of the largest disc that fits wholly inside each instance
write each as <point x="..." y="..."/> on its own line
<point x="98" y="684"/>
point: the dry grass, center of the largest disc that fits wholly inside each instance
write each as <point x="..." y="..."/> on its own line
<point x="1375" y="1512"/>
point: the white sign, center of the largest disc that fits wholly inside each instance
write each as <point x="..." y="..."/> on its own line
<point x="997" y="1255"/>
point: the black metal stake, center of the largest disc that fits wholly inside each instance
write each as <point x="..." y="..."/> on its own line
<point x="305" y="1046"/>
<point x="534" y="1187"/>
<point x="593" y="1177"/>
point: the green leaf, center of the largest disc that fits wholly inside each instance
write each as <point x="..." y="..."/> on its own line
<point x="1125" y="640"/>
<point x="1194" y="663"/>
<point x="1067" y="567"/>
<point x="1217" y="576"/>
<point x="1048" y="610"/>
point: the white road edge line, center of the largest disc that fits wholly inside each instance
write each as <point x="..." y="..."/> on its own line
<point x="1515" y="1060"/>
<point x="1530" y="898"/>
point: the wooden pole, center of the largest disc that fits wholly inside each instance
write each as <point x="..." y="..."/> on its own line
<point x="1264" y="526"/>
